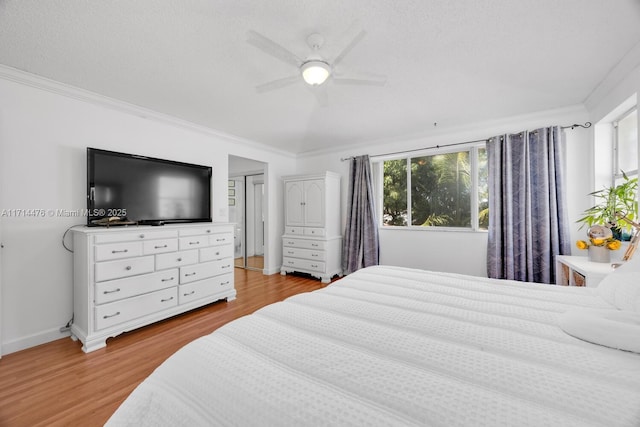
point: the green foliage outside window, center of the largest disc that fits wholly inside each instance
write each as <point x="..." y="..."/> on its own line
<point x="441" y="188"/>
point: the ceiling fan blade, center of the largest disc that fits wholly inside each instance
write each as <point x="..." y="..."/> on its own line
<point x="320" y="92"/>
<point x="362" y="82"/>
<point x="348" y="47"/>
<point x="272" y="48"/>
<point x="277" y="84"/>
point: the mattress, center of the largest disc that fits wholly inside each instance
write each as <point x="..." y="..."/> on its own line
<point x="393" y="346"/>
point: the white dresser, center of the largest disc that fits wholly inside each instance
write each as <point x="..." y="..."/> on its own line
<point x="312" y="242"/>
<point x="128" y="277"/>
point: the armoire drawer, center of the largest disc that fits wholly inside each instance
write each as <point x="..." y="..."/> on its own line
<point x="303" y="264"/>
<point x="113" y="313"/>
<point x="314" y="231"/>
<point x="205" y="270"/>
<point x="304" y="243"/>
<point x="113" y="290"/>
<point x="109" y="270"/>
<point x="305" y="253"/>
<point x="204" y="288"/>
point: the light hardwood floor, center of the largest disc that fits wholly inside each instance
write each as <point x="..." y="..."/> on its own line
<point x="56" y="384"/>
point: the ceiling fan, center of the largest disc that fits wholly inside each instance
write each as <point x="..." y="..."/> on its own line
<point x="314" y="70"/>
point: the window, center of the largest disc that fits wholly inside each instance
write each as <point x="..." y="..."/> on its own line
<point x="625" y="146"/>
<point x="446" y="189"/>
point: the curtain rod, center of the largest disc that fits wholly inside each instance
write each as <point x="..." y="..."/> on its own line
<point x="586" y="125"/>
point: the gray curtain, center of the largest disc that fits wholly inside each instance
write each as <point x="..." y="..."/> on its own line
<point x="528" y="221"/>
<point x="361" y="246"/>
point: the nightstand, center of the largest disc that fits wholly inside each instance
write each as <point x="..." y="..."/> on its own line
<point x="579" y="271"/>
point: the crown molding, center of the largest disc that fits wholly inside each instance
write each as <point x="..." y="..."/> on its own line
<point x="618" y="73"/>
<point x="42" y="83"/>
<point x="476" y="130"/>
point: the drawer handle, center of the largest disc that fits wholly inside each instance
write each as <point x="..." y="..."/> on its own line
<point x="290" y="252"/>
<point x="290" y="262"/>
<point x="141" y="236"/>
<point x="224" y="283"/>
<point x="290" y="243"/>
<point x="226" y="266"/>
<point x="120" y="252"/>
<point x="106" y="316"/>
<point x="314" y="266"/>
<point x="217" y="253"/>
<point x="208" y="231"/>
<point x="167" y="299"/>
<point x="221" y="240"/>
<point x="189" y="274"/>
<point x="194" y="243"/>
<point x="190" y="293"/>
<point x="315" y="245"/>
<point x="315" y="255"/>
<point x="179" y="260"/>
<point x="168" y="280"/>
<point x="128" y="267"/>
<point x="160" y="247"/>
<point x="111" y="292"/>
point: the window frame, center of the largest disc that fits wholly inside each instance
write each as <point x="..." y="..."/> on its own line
<point x="616" y="172"/>
<point x="378" y="173"/>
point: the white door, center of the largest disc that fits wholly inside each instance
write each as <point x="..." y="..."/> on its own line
<point x="314" y="203"/>
<point x="294" y="209"/>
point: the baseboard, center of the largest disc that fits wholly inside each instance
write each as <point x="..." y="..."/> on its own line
<point x="32" y="340"/>
<point x="270" y="271"/>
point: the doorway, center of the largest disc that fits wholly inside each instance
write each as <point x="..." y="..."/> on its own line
<point x="247" y="211"/>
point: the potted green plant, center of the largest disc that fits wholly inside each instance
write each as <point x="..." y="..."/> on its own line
<point x="611" y="219"/>
<point x="615" y="207"/>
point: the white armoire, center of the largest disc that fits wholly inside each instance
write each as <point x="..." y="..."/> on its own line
<point x="312" y="241"/>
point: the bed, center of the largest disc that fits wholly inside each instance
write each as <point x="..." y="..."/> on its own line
<point x="393" y="346"/>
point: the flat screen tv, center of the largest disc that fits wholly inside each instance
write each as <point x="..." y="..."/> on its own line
<point x="143" y="190"/>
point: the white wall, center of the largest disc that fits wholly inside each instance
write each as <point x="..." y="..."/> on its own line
<point x="462" y="251"/>
<point x="45" y="128"/>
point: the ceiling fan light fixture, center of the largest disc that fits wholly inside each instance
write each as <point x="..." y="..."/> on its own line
<point x="315" y="72"/>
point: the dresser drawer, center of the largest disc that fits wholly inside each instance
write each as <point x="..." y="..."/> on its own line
<point x="196" y="231"/>
<point x="176" y="259"/>
<point x="205" y="270"/>
<point x="131" y="308"/>
<point x="216" y="252"/>
<point x="134" y="236"/>
<point x="159" y="246"/>
<point x="221" y="239"/>
<point x="204" y="288"/>
<point x="303" y="264"/>
<point x="193" y="242"/>
<point x="313" y="231"/>
<point x="118" y="250"/>
<point x="109" y="270"/>
<point x="113" y="290"/>
<point x="304" y="253"/>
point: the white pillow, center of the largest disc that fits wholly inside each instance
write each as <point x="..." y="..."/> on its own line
<point x="611" y="328"/>
<point x="621" y="288"/>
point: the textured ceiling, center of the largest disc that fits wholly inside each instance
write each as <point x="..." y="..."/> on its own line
<point x="450" y="62"/>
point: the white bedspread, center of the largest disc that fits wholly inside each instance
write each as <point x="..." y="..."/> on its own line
<point x="391" y="346"/>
